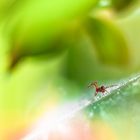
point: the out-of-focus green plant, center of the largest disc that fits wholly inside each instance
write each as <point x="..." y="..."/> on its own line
<point x="49" y="29"/>
<point x="5" y="5"/>
<point x="96" y="48"/>
<point x="122" y="4"/>
<point x="109" y="41"/>
<point x="33" y="32"/>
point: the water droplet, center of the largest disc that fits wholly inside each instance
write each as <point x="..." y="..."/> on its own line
<point x="135" y="83"/>
<point x="110" y="99"/>
<point x="97" y="97"/>
<point x="104" y="3"/>
<point x="94" y="107"/>
<point x="118" y="92"/>
<point x="91" y="114"/>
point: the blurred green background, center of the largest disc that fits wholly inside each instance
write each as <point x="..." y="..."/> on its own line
<point x="50" y="50"/>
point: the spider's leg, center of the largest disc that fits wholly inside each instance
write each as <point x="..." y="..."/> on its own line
<point x="107" y="91"/>
<point x="96" y="93"/>
<point x="110" y="86"/>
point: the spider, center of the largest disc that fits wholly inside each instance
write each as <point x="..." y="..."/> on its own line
<point x="98" y="89"/>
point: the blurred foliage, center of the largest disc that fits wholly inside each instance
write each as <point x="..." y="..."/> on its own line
<point x="33" y="32"/>
<point x="107" y="36"/>
<point x="122" y="4"/>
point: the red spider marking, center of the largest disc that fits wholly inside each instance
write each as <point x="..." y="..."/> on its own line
<point x="98" y="89"/>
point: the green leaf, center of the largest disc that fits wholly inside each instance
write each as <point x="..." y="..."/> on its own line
<point x="119" y="109"/>
<point x="109" y="42"/>
<point x="34" y="32"/>
<point x="122" y="4"/>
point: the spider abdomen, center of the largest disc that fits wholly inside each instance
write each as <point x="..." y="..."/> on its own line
<point x="101" y="89"/>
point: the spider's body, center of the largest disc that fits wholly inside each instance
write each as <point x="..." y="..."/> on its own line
<point x="101" y="89"/>
<point x="98" y="89"/>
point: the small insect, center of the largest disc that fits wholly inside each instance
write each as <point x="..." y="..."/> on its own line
<point x="98" y="89"/>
